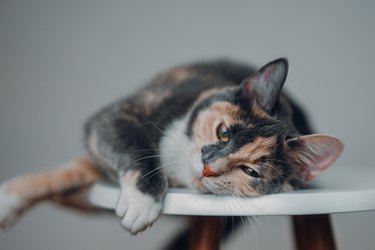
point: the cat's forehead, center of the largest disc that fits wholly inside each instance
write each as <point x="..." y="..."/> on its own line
<point x="215" y="114"/>
<point x="258" y="148"/>
<point x="225" y="110"/>
<point x="230" y="112"/>
<point x="246" y="121"/>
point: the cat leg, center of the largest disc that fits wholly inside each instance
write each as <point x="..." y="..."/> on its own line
<point x="127" y="147"/>
<point x="63" y="185"/>
<point x="137" y="209"/>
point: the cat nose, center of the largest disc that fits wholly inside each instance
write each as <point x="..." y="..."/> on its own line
<point x="207" y="171"/>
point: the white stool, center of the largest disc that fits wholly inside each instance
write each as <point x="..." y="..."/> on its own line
<point x="338" y="190"/>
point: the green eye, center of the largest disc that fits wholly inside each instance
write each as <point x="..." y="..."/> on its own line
<point x="222" y="133"/>
<point x="249" y="171"/>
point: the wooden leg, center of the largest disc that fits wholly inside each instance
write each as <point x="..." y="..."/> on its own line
<point x="313" y="232"/>
<point x="206" y="232"/>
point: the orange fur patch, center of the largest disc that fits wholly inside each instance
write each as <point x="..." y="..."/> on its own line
<point x="258" y="112"/>
<point x="78" y="174"/>
<point x="248" y="154"/>
<point x="131" y="177"/>
<point x="205" y="94"/>
<point x="180" y="74"/>
<point x="130" y="118"/>
<point x="207" y="121"/>
<point x="255" y="150"/>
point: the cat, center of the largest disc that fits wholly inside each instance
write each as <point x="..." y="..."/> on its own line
<point x="219" y="127"/>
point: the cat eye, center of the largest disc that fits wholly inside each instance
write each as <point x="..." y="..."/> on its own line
<point x="249" y="171"/>
<point x="222" y="133"/>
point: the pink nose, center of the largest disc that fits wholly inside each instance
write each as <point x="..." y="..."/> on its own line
<point x="207" y="171"/>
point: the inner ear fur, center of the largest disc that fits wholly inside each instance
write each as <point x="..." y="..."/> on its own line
<point x="314" y="153"/>
<point x="265" y="86"/>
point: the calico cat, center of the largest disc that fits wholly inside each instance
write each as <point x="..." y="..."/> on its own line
<point x="218" y="127"/>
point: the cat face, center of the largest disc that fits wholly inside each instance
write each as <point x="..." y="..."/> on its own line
<point x="239" y="155"/>
<point x="245" y="144"/>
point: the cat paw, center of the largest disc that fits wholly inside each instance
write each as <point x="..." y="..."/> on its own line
<point x="137" y="210"/>
<point x="11" y="207"/>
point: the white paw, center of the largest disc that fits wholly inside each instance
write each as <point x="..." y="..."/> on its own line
<point x="136" y="210"/>
<point x="11" y="207"/>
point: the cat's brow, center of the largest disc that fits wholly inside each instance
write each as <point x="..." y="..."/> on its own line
<point x="260" y="147"/>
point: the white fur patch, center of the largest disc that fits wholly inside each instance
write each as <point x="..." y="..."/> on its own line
<point x="177" y="154"/>
<point x="11" y="206"/>
<point x="137" y="210"/>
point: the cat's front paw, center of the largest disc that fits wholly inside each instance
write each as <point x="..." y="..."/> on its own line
<point x="11" y="207"/>
<point x="137" y="210"/>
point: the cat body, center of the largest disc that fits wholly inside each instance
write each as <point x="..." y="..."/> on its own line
<point x="218" y="127"/>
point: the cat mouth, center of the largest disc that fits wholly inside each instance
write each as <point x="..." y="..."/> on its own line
<point x="201" y="173"/>
<point x="206" y="183"/>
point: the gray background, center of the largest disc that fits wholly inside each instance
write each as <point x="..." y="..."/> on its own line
<point x="62" y="60"/>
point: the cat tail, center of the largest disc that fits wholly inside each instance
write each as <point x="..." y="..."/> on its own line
<point x="66" y="186"/>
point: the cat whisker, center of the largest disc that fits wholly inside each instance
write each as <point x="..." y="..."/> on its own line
<point x="257" y="245"/>
<point x="228" y="210"/>
<point x="145" y="150"/>
<point x="278" y="172"/>
<point x="278" y="160"/>
<point x="154" y="156"/>
<point x="245" y="228"/>
<point x="257" y="219"/>
<point x="173" y="134"/>
<point x="155" y="124"/>
<point x="249" y="218"/>
<point x="267" y="226"/>
<point x="270" y="177"/>
<point x="237" y="203"/>
<point x="155" y="171"/>
<point x="163" y="168"/>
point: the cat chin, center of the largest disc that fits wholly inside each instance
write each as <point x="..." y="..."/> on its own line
<point x="197" y="182"/>
<point x="206" y="186"/>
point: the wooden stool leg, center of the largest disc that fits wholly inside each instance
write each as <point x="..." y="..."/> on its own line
<point x="313" y="232"/>
<point x="206" y="232"/>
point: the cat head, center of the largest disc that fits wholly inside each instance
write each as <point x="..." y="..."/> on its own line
<point x="245" y="143"/>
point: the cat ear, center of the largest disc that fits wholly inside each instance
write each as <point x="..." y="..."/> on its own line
<point x="314" y="153"/>
<point x="265" y="85"/>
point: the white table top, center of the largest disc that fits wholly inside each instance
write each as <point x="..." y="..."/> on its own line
<point x="339" y="189"/>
